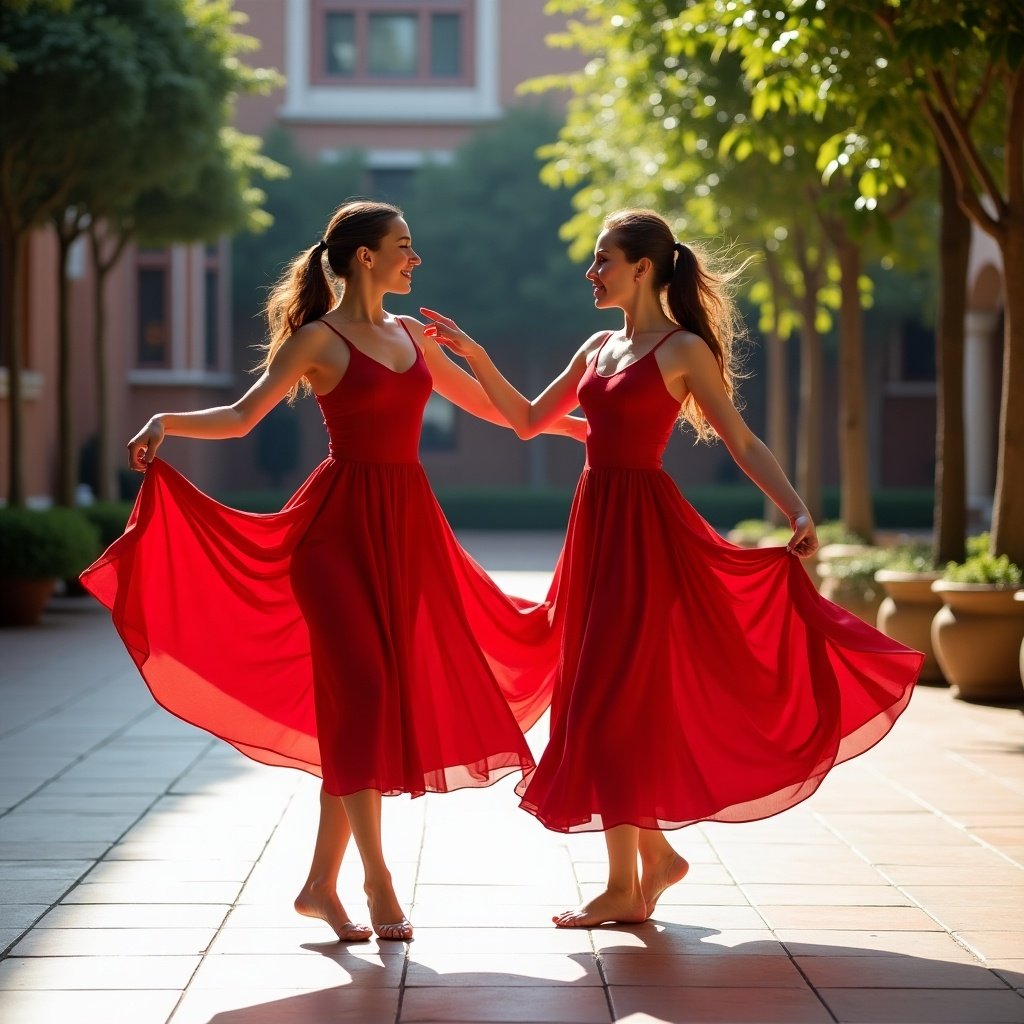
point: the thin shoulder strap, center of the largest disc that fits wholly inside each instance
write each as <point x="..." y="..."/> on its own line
<point x="415" y="343"/>
<point x="337" y="332"/>
<point x="607" y="335"/>
<point x="675" y="330"/>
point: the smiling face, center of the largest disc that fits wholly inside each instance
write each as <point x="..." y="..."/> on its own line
<point x="391" y="264"/>
<point x="611" y="274"/>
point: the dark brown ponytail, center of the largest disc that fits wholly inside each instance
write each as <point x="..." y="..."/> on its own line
<point x="304" y="292"/>
<point x="695" y="296"/>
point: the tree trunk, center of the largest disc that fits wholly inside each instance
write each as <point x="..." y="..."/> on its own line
<point x="950" y="486"/>
<point x="66" y="461"/>
<point x="10" y="300"/>
<point x="1008" y="509"/>
<point x="855" y="483"/>
<point x="812" y="378"/>
<point x="776" y="390"/>
<point x="106" y="476"/>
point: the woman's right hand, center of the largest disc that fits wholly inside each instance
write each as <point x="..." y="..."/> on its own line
<point x="142" y="447"/>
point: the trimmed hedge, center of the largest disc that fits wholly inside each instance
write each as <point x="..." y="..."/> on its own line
<point x="53" y="543"/>
<point x="723" y="505"/>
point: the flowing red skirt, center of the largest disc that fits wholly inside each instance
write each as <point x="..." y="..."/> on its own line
<point x="698" y="680"/>
<point x="426" y="673"/>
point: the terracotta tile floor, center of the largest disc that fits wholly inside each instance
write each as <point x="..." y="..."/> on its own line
<point x="147" y="872"/>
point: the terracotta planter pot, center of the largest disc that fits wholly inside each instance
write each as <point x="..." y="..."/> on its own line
<point x="864" y="603"/>
<point x="906" y="614"/>
<point x="977" y="636"/>
<point x="22" y="601"/>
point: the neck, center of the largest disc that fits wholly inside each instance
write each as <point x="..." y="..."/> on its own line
<point x="361" y="303"/>
<point x="644" y="315"/>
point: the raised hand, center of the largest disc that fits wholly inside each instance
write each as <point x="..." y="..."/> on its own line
<point x="448" y="333"/>
<point x="804" y="541"/>
<point x="142" y="447"/>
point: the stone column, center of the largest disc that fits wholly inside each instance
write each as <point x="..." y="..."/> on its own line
<point x="981" y="411"/>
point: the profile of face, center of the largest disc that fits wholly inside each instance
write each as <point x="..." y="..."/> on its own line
<point x="391" y="264"/>
<point x="613" y="278"/>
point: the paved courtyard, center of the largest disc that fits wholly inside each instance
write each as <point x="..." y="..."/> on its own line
<point x="147" y="873"/>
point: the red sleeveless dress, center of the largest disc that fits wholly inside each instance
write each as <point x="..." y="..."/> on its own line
<point x="698" y="680"/>
<point x="348" y="635"/>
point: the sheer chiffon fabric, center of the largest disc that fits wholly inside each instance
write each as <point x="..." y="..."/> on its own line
<point x="697" y="680"/>
<point x="348" y="635"/>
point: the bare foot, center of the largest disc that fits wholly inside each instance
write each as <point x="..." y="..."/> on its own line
<point x="389" y="920"/>
<point x="658" y="876"/>
<point x="608" y="908"/>
<point x="323" y="904"/>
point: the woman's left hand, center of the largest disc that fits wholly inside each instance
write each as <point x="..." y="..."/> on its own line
<point x="448" y="333"/>
<point x="804" y="541"/>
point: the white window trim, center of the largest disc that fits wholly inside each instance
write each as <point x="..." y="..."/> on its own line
<point x="186" y="270"/>
<point x="357" y="104"/>
<point x="31" y="384"/>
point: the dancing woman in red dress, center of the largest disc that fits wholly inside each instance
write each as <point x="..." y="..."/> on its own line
<point x="697" y="681"/>
<point x="348" y="635"/>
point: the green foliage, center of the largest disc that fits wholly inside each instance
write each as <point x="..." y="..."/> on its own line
<point x="487" y="230"/>
<point x="835" y="532"/>
<point x="299" y="204"/>
<point x="750" y="531"/>
<point x="910" y="558"/>
<point x="56" y="543"/>
<point x="857" y="572"/>
<point x="109" y="517"/>
<point x="982" y="566"/>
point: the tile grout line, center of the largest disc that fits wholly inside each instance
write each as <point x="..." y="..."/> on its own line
<point x="792" y="959"/>
<point x="4" y="954"/>
<point x="917" y="903"/>
<point x="234" y="903"/>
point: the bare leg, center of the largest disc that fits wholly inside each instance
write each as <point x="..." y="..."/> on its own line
<point x="662" y="866"/>
<point x="319" y="896"/>
<point x="386" y="914"/>
<point x="622" y="901"/>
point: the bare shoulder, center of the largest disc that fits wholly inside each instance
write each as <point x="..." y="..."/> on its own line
<point x="684" y="351"/>
<point x="589" y="348"/>
<point x="415" y="328"/>
<point x="307" y="342"/>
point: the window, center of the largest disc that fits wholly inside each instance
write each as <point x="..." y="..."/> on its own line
<point x="153" y="348"/>
<point x="418" y="41"/>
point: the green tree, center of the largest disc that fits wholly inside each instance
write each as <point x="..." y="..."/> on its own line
<point x="959" y="69"/>
<point x="60" y="66"/>
<point x="177" y="172"/>
<point x="488" y="232"/>
<point x="679" y="109"/>
<point x="299" y="206"/>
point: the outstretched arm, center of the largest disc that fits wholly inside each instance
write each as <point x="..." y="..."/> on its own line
<point x="695" y="366"/>
<point x="463" y="390"/>
<point x="293" y="360"/>
<point x="526" y="418"/>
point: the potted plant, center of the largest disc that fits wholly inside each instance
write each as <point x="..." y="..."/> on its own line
<point x="849" y="581"/>
<point x="37" y="548"/>
<point x="978" y="632"/>
<point x="910" y="604"/>
<point x="748" y="533"/>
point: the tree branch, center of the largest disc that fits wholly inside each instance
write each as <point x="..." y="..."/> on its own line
<point x="962" y="138"/>
<point x="982" y="93"/>
<point x="968" y="198"/>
